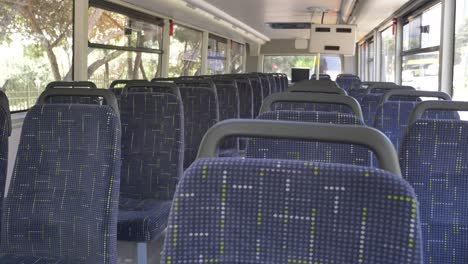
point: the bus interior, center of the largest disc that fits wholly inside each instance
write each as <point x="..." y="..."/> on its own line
<point x="242" y="131"/>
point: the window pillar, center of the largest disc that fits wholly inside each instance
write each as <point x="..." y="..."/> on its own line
<point x="80" y="41"/>
<point x="398" y="51"/>
<point x="447" y="50"/>
<point x="165" y="57"/>
<point x="204" y="53"/>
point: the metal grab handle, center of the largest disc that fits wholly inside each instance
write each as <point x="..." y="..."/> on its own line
<point x="360" y="135"/>
<point x="312" y="98"/>
<point x="126" y="82"/>
<point x="414" y="93"/>
<point x="436" y="105"/>
<point x="388" y="87"/>
<point x="109" y="97"/>
<point x="64" y="84"/>
<point x="314" y="86"/>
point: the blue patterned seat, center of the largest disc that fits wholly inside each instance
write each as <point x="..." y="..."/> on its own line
<point x="263" y="148"/>
<point x="392" y="119"/>
<point x="13" y="259"/>
<point x="246" y="99"/>
<point x="152" y="160"/>
<point x="348" y="82"/>
<point x="228" y="98"/>
<point x="369" y="104"/>
<point x="258" y="94"/>
<point x="434" y="160"/>
<point x="280" y="211"/>
<point x="200" y="114"/>
<point x="267" y="88"/>
<point x="322" y="76"/>
<point x="320" y="107"/>
<point x="63" y="197"/>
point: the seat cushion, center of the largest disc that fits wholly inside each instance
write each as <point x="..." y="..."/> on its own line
<point x="14" y="259"/>
<point x="142" y="220"/>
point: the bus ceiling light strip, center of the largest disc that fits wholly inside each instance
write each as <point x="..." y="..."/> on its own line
<point x="209" y="8"/>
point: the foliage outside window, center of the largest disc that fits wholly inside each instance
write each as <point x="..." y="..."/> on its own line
<point x="36" y="47"/>
<point x="237" y="57"/>
<point x="421" y="40"/>
<point x="185" y="52"/>
<point x="122" y="47"/>
<point x="460" y="78"/>
<point x="330" y="65"/>
<point x="217" y="49"/>
<point x="388" y="55"/>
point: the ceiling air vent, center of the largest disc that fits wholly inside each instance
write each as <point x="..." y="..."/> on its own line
<point x="290" y="25"/>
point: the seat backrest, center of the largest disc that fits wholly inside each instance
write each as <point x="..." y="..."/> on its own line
<point x="369" y="104"/>
<point x="280" y="211"/>
<point x="267" y="148"/>
<point x="322" y="76"/>
<point x="246" y="98"/>
<point x="63" y="196"/>
<point x="152" y="145"/>
<point x="433" y="160"/>
<point x="200" y="114"/>
<point x="267" y="88"/>
<point x="348" y="82"/>
<point x="314" y="86"/>
<point x="257" y="89"/>
<point x="321" y="107"/>
<point x="228" y="98"/>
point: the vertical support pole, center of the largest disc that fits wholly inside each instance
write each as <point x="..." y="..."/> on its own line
<point x="398" y="52"/>
<point x="377" y="56"/>
<point x="80" y="41"/>
<point x="260" y="61"/>
<point x="244" y="59"/>
<point x="447" y="42"/>
<point x="166" y="47"/>
<point x="204" y="53"/>
<point x="142" y="253"/>
<point x="317" y="67"/>
<point x="227" y="67"/>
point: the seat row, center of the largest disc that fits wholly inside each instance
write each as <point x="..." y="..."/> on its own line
<point x="304" y="190"/>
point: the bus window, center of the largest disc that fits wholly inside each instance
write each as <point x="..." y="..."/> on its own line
<point x="370" y="60"/>
<point x="388" y="56"/>
<point x="284" y="64"/>
<point x="217" y="49"/>
<point x="109" y="32"/>
<point x="421" y="40"/>
<point x="31" y="59"/>
<point x="460" y="80"/>
<point x="185" y="52"/>
<point x="237" y="57"/>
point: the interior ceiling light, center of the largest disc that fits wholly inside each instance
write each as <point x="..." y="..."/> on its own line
<point x="211" y="9"/>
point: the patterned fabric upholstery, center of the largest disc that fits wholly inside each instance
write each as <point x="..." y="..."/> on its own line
<point x="118" y="95"/>
<point x="321" y="107"/>
<point x="257" y="95"/>
<point x="152" y="163"/>
<point x="267" y="211"/>
<point x="264" y="148"/>
<point x="152" y="145"/>
<point x="348" y="82"/>
<point x="13" y="259"/>
<point x="369" y="104"/>
<point x="434" y="160"/>
<point x="200" y="114"/>
<point x="142" y="220"/>
<point x="63" y="196"/>
<point x="73" y="100"/>
<point x="322" y="76"/>
<point x="266" y="88"/>
<point x="245" y="100"/>
<point x="228" y="98"/>
<point x="392" y="119"/>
